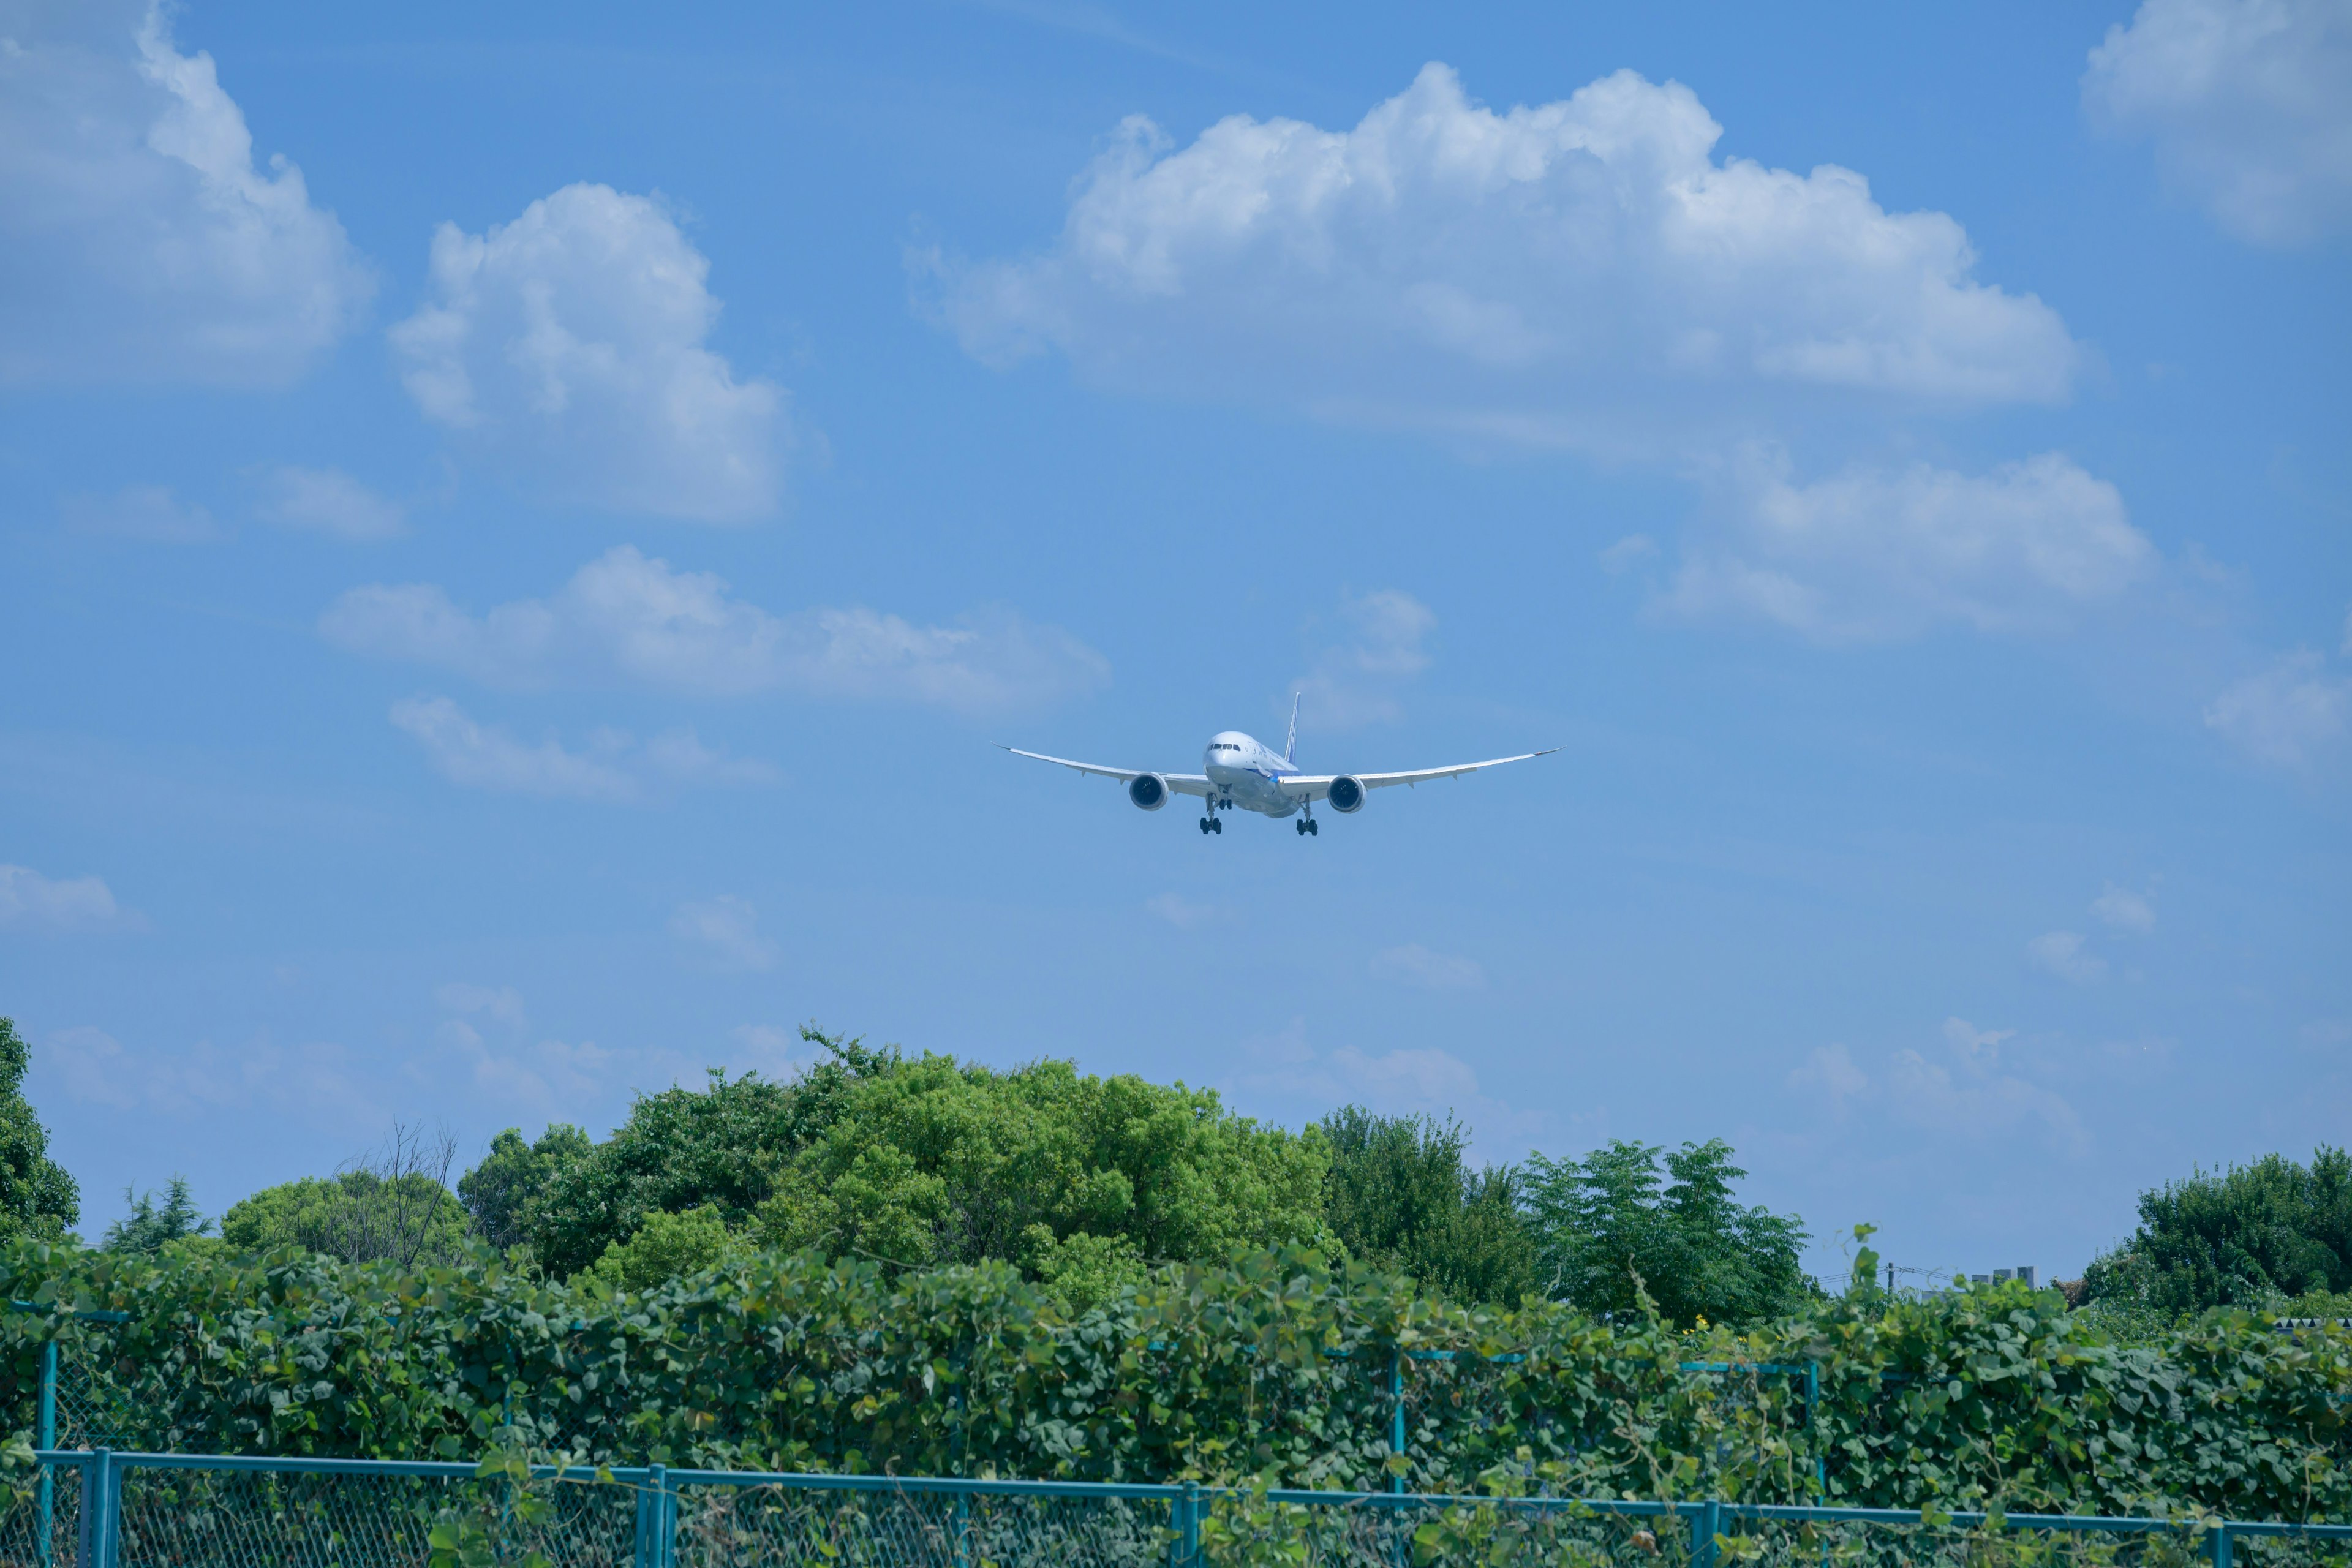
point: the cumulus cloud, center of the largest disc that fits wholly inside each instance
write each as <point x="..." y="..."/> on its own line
<point x="1179" y="911"/>
<point x="2125" y="909"/>
<point x="90" y="1066"/>
<point x="1972" y="1095"/>
<point x="2063" y="953"/>
<point x="329" y="501"/>
<point x="1831" y="1070"/>
<point x="138" y="240"/>
<point x="1288" y="1071"/>
<point x="1418" y="965"/>
<point x="140" y="511"/>
<point x="570" y="350"/>
<point x="2249" y="104"/>
<point x="1379" y="645"/>
<point x="726" y="929"/>
<point x="2284" y="716"/>
<point x="1871" y="554"/>
<point x="614" y="767"/>
<point x="30" y="901"/>
<point x="501" y="1003"/>
<point x="630" y="619"/>
<point x="1582" y="271"/>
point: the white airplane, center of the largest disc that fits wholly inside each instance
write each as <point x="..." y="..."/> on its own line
<point x="1239" y="774"/>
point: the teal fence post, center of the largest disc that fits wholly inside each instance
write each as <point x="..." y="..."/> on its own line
<point x="657" y="1520"/>
<point x="1188" y="1526"/>
<point x="45" y="1437"/>
<point x="1705" y="1525"/>
<point x="1396" y="1418"/>
<point x="100" y="1500"/>
<point x="2221" y="1546"/>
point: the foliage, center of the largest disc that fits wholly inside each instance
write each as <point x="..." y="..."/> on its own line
<point x="1274" y="1366"/>
<point x="680" y="1150"/>
<point x="1399" y="1197"/>
<point x="36" y="1197"/>
<point x="499" y="1193"/>
<point x="2247" y="1237"/>
<point x="150" y="1225"/>
<point x="356" y="1217"/>
<point x="941" y="1162"/>
<point x="1605" y="1232"/>
<point x="666" y="1246"/>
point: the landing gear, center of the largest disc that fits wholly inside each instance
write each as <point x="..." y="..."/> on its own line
<point x="1210" y="824"/>
<point x="1308" y="825"/>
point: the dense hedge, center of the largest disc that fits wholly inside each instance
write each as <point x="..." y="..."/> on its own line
<point x="1274" y="1366"/>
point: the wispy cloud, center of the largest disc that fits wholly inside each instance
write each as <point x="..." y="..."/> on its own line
<point x="2064" y="954"/>
<point x="725" y="930"/>
<point x="31" y="902"/>
<point x="614" y="767"/>
<point x="329" y="501"/>
<point x="150" y="513"/>
<point x="1418" y="965"/>
<point x="1376" y="643"/>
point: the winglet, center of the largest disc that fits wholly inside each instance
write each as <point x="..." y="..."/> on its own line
<point x="1290" y="747"/>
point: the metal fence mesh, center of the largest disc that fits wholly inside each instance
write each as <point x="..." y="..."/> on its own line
<point x="722" y="1527"/>
<point x="33" y="1535"/>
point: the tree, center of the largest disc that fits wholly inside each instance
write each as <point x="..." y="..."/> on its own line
<point x="1398" y="1195"/>
<point x="150" y="1225"/>
<point x="501" y="1192"/>
<point x="666" y="1246"/>
<point x="2249" y="1236"/>
<point x="36" y="1197"/>
<point x="1605" y="1231"/>
<point x="941" y="1162"/>
<point x="394" y="1207"/>
<point x="681" y="1150"/>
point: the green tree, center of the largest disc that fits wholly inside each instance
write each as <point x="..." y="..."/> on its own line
<point x="941" y="1162"/>
<point x="683" y="1149"/>
<point x="1398" y="1195"/>
<point x="501" y="1192"/>
<point x="666" y="1247"/>
<point x="1612" y="1225"/>
<point x="151" y="1224"/>
<point x="2251" y="1236"/>
<point x="36" y="1197"/>
<point x="357" y="1217"/>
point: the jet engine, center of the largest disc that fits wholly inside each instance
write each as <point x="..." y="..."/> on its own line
<point x="1148" y="791"/>
<point x="1347" y="795"/>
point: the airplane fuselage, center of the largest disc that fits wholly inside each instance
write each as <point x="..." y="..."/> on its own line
<point x="1248" y="774"/>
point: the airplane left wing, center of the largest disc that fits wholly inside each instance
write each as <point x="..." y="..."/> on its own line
<point x="1183" y="784"/>
<point x="1302" y="786"/>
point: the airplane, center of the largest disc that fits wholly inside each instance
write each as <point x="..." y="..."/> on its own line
<point x="1240" y="774"/>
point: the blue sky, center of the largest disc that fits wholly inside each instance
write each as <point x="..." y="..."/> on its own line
<point x="523" y="525"/>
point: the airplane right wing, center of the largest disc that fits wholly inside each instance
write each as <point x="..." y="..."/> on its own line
<point x="1183" y="784"/>
<point x="1304" y="786"/>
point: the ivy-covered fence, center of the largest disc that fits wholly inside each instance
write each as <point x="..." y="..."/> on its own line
<point x="1275" y="1368"/>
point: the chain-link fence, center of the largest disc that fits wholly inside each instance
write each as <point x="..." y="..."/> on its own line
<point x="107" y="1510"/>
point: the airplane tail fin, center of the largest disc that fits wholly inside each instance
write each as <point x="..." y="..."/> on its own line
<point x="1290" y="747"/>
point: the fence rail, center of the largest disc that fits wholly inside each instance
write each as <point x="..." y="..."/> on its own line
<point x="109" y="1510"/>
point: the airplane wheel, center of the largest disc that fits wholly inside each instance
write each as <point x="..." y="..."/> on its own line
<point x="1217" y="827"/>
<point x="1316" y="828"/>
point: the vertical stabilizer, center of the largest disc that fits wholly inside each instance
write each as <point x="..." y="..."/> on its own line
<point x="1290" y="747"/>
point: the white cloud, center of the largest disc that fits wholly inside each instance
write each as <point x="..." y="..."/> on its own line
<point x="502" y="1003"/>
<point x="1179" y="911"/>
<point x="2125" y="909"/>
<point x="1379" y="646"/>
<point x="138" y="241"/>
<point x="2285" y="715"/>
<point x="30" y="901"/>
<point x="625" y="617"/>
<point x="569" y="349"/>
<point x="2249" y="104"/>
<point x="1288" y="1071"/>
<point x="1580" y="272"/>
<point x="140" y="511"/>
<point x="1972" y="1097"/>
<point x="613" y="768"/>
<point x="2062" y="953"/>
<point x="728" y="929"/>
<point x="1420" y="966"/>
<point x="1633" y="550"/>
<point x="328" y="500"/>
<point x="93" y="1067"/>
<point x="1870" y="554"/>
<point x="1831" y="1069"/>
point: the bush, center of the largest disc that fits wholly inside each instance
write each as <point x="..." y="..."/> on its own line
<point x="1273" y="1366"/>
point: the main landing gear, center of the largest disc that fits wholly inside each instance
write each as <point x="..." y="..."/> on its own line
<point x="1210" y="824"/>
<point x="1306" y="825"/>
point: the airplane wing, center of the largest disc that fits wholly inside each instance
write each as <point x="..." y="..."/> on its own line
<point x="1183" y="784"/>
<point x="1315" y="787"/>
